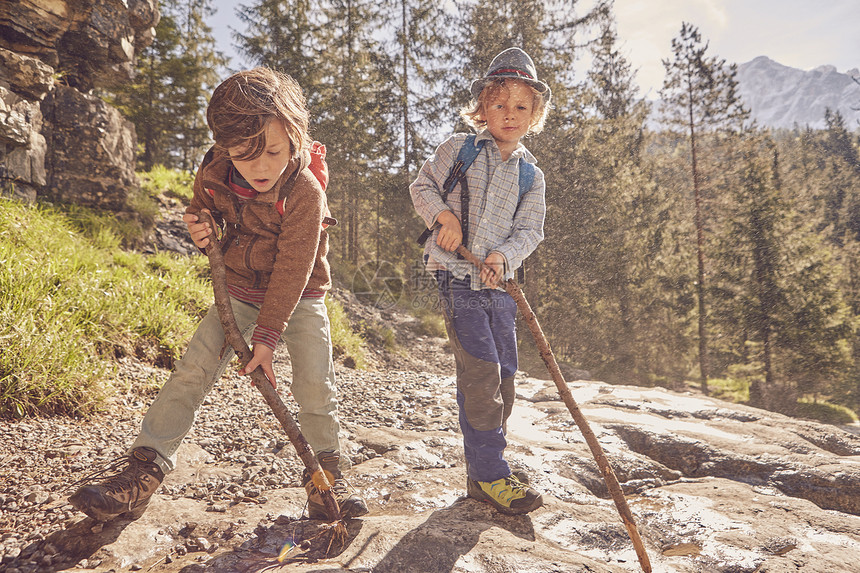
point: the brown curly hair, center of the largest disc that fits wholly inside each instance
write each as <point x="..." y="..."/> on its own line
<point x="244" y="104"/>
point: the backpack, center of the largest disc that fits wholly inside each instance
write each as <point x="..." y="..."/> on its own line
<point x="465" y="158"/>
<point x="319" y="168"/>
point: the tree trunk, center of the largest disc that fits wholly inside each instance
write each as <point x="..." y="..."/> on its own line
<point x="700" y="258"/>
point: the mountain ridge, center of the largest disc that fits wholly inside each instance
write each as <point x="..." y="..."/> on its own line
<point x="779" y="96"/>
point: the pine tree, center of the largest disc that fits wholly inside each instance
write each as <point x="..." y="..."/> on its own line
<point x="699" y="96"/>
<point x="778" y="306"/>
<point x="280" y="34"/>
<point x="199" y="72"/>
<point x="174" y="76"/>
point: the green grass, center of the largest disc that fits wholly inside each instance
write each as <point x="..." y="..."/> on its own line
<point x="169" y="182"/>
<point x="735" y="390"/>
<point x="71" y="303"/>
<point x="346" y="343"/>
<point x="824" y="412"/>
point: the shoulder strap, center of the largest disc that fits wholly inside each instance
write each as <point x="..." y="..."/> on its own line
<point x="527" y="178"/>
<point x="465" y="157"/>
<point x="207" y="159"/>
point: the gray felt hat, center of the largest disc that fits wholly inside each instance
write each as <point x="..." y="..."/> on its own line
<point x="512" y="63"/>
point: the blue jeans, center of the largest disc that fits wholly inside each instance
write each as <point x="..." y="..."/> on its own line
<point x="481" y="326"/>
<point x="171" y="415"/>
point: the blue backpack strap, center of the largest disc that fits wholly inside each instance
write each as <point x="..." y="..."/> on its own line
<point x="527" y="178"/>
<point x="465" y="157"/>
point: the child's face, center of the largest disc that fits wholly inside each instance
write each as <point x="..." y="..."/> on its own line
<point x="264" y="171"/>
<point x="509" y="114"/>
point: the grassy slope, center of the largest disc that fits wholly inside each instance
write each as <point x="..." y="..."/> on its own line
<point x="72" y="302"/>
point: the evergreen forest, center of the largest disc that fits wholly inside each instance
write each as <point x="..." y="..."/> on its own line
<point x="701" y="249"/>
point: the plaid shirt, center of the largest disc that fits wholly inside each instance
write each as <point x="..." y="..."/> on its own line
<point x="496" y="223"/>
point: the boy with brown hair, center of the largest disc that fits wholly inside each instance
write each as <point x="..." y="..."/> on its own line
<point x="500" y="221"/>
<point x="258" y="184"/>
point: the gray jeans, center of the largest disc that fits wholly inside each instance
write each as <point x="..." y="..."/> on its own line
<point x="308" y="341"/>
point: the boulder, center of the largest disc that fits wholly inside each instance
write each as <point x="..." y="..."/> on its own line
<point x="92" y="151"/>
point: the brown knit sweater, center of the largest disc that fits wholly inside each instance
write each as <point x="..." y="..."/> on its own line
<point x="283" y="254"/>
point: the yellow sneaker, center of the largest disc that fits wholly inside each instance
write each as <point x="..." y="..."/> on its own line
<point x="508" y="495"/>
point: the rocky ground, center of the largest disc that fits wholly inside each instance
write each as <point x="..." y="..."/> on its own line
<point x="714" y="487"/>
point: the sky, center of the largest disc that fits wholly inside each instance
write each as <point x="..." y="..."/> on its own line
<point x="801" y="34"/>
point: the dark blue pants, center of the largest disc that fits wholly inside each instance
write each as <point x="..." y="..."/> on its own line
<point x="482" y="329"/>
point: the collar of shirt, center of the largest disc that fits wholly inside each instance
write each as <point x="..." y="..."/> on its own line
<point x="520" y="151"/>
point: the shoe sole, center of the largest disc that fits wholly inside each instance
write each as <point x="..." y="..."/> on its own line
<point x="86" y="508"/>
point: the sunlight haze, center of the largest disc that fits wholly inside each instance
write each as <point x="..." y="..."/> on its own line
<point x="796" y="33"/>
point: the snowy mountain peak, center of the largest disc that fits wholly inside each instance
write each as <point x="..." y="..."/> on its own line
<point x="781" y="96"/>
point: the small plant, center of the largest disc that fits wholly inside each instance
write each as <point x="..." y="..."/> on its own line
<point x="169" y="182"/>
<point x="430" y="322"/>
<point x="735" y="390"/>
<point x="346" y="343"/>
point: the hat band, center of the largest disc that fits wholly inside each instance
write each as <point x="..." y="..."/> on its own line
<point x="512" y="71"/>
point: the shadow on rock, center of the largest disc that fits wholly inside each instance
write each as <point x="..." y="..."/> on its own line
<point x="83" y="539"/>
<point x="436" y="545"/>
<point x="308" y="541"/>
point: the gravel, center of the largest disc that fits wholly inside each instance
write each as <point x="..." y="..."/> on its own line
<point x="43" y="458"/>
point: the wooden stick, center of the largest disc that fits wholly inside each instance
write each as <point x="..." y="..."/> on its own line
<point x="548" y="357"/>
<point x="258" y="377"/>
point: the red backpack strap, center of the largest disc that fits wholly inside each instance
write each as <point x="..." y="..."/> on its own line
<point x="319" y="168"/>
<point x="288" y="184"/>
<point x="318" y="165"/>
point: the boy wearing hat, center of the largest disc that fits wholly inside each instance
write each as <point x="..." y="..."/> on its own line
<point x="500" y="224"/>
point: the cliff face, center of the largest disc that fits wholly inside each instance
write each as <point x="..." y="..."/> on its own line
<point x="56" y="138"/>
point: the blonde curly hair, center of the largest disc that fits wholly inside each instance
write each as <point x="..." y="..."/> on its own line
<point x="473" y="114"/>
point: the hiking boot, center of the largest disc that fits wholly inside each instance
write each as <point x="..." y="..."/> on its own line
<point x="350" y="505"/>
<point x="522" y="476"/>
<point x="508" y="495"/>
<point x="127" y="492"/>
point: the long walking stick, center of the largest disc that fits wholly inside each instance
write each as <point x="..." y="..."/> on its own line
<point x="548" y="357"/>
<point x="234" y="337"/>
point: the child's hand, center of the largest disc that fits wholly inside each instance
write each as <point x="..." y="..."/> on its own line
<point x="199" y="231"/>
<point x="451" y="234"/>
<point x="263" y="358"/>
<point x="493" y="270"/>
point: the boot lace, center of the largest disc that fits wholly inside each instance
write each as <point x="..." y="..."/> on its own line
<point x="120" y="474"/>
